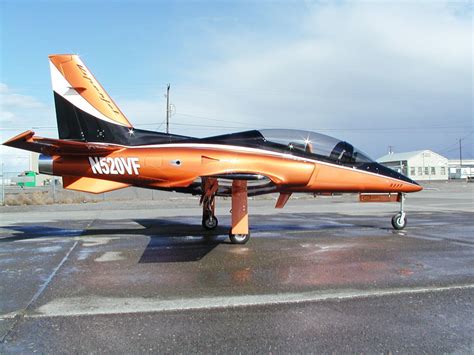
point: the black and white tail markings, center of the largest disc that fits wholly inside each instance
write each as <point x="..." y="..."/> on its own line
<point x="114" y="166"/>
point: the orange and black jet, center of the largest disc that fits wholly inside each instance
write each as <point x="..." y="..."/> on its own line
<point x="99" y="150"/>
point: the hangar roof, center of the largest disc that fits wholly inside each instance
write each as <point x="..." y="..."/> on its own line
<point x="405" y="156"/>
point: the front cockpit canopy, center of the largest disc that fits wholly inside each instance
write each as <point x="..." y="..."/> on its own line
<point x="310" y="143"/>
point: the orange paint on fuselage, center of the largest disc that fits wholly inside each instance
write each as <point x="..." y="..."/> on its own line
<point x="169" y="167"/>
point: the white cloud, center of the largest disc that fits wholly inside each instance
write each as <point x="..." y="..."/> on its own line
<point x="352" y="66"/>
<point x="10" y="99"/>
<point x="19" y="113"/>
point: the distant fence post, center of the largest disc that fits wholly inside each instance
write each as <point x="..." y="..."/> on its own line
<point x="54" y="190"/>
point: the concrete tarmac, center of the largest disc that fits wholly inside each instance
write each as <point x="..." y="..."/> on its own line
<point x="322" y="275"/>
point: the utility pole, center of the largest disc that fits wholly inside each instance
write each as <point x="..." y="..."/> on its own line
<point x="460" y="153"/>
<point x="390" y="151"/>
<point x="168" y="109"/>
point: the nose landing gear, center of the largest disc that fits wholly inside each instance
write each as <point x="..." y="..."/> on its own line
<point x="399" y="221"/>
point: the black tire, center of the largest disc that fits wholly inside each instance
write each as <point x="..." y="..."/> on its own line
<point x="397" y="223"/>
<point x="210" y="222"/>
<point x="238" y="238"/>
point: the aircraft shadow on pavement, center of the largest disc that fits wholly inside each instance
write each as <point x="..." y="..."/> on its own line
<point x="170" y="240"/>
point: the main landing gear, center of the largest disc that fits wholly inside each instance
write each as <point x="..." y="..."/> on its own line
<point x="210" y="222"/>
<point x="239" y="238"/>
<point x="208" y="201"/>
<point x="239" y="232"/>
<point x="399" y="221"/>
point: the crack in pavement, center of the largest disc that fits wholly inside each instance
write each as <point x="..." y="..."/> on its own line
<point x="17" y="316"/>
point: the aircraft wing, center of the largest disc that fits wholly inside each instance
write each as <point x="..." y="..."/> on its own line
<point x="28" y="141"/>
<point x="95" y="186"/>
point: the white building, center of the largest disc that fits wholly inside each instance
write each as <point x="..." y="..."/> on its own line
<point x="458" y="172"/>
<point x="419" y="165"/>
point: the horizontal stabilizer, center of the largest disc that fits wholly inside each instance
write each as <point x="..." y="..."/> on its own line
<point x="48" y="146"/>
<point x="96" y="186"/>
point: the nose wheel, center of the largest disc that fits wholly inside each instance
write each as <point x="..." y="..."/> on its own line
<point x="399" y="221"/>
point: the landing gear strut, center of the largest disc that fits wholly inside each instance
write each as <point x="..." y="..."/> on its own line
<point x="399" y="221"/>
<point x="209" y="219"/>
<point x="239" y="233"/>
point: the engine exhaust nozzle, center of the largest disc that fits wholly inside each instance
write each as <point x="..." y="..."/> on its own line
<point x="45" y="164"/>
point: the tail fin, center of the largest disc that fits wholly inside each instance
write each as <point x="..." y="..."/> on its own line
<point x="84" y="110"/>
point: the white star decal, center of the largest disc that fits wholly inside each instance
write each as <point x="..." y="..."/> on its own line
<point x="131" y="132"/>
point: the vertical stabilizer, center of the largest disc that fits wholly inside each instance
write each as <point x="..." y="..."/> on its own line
<point x="84" y="110"/>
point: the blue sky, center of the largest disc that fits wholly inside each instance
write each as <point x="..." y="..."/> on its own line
<point x="374" y="73"/>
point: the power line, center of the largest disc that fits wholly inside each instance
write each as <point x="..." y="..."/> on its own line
<point x="454" y="146"/>
<point x="244" y="125"/>
<point x="328" y="129"/>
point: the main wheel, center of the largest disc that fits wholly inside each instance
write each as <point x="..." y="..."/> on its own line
<point x="399" y="221"/>
<point x="210" y="222"/>
<point x="239" y="238"/>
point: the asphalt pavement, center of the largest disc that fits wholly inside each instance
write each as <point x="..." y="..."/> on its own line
<point x="324" y="275"/>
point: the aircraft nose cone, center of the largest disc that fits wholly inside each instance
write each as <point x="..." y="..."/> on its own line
<point x="408" y="185"/>
<point x="413" y="187"/>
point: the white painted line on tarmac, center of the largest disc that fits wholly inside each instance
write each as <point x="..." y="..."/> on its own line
<point x="8" y="315"/>
<point x="94" y="305"/>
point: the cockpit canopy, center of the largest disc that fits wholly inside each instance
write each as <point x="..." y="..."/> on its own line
<point x="311" y="143"/>
<point x="301" y="143"/>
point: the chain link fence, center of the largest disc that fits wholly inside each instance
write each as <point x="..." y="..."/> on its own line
<point x="17" y="189"/>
